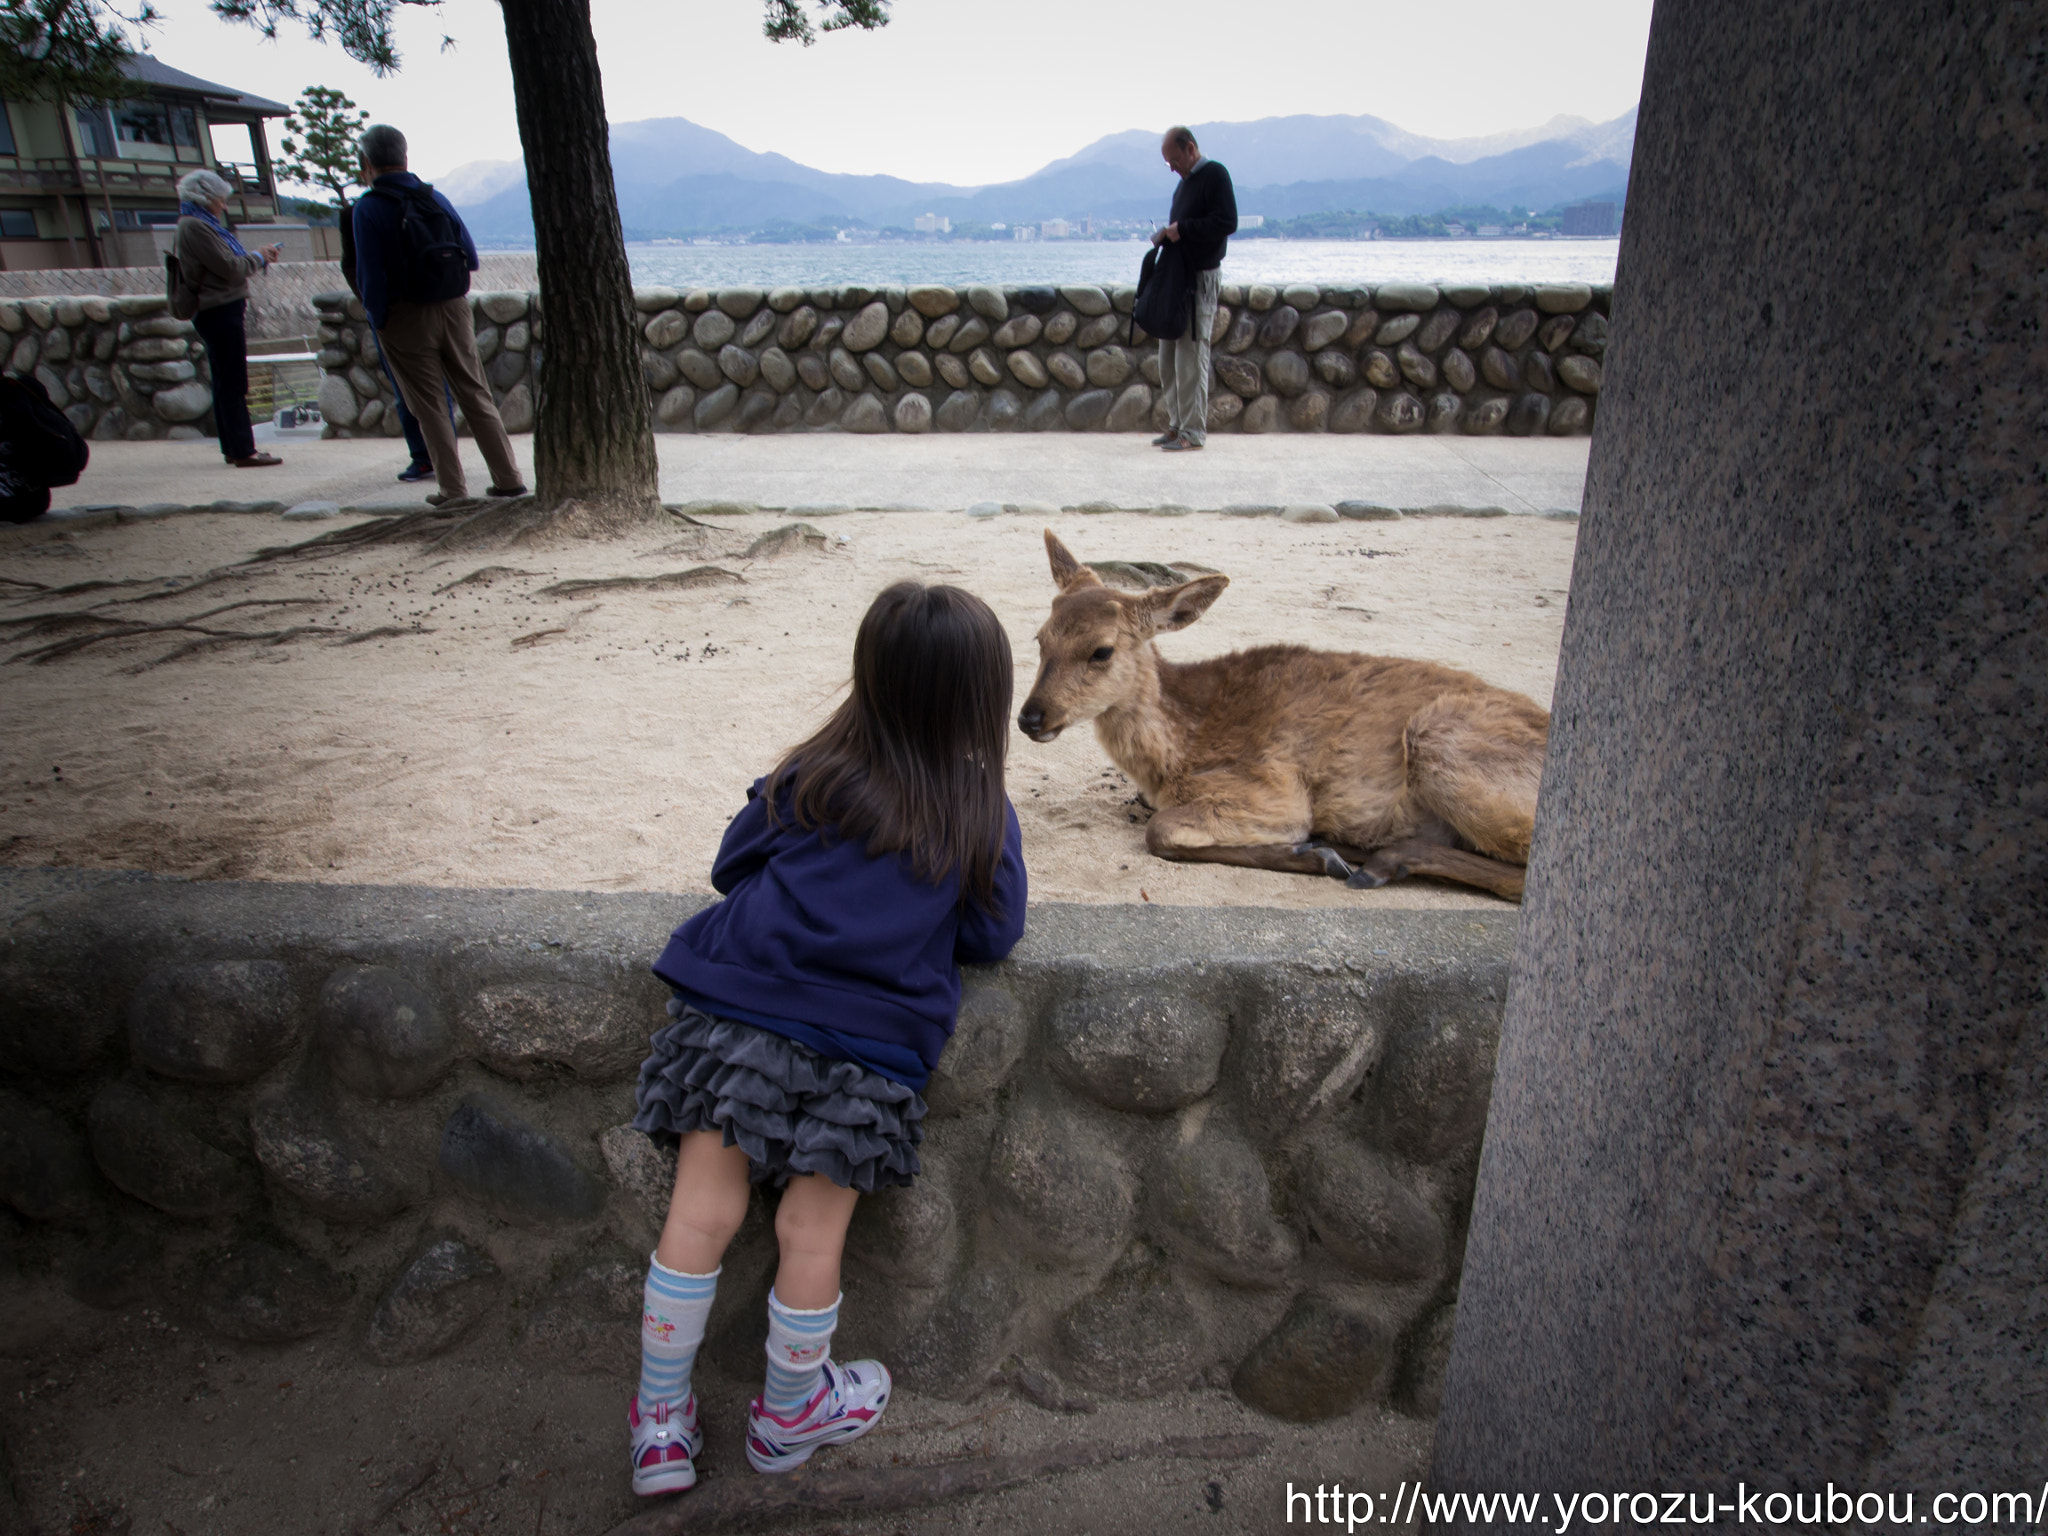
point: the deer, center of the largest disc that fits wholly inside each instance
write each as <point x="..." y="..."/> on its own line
<point x="1362" y="768"/>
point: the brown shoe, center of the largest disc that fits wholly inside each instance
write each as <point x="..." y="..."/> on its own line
<point x="256" y="461"/>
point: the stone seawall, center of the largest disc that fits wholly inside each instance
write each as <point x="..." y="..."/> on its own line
<point x="117" y="367"/>
<point x="1165" y="1143"/>
<point x="1402" y="357"/>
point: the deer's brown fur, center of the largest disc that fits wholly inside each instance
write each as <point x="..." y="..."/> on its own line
<point x="1281" y="757"/>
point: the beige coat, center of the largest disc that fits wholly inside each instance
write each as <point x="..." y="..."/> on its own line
<point x="210" y="265"/>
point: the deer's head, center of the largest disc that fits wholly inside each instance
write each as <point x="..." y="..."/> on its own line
<point x="1094" y="649"/>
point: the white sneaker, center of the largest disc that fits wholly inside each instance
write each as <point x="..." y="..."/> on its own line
<point x="665" y="1445"/>
<point x="845" y="1407"/>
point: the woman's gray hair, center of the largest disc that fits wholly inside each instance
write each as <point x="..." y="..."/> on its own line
<point x="204" y="187"/>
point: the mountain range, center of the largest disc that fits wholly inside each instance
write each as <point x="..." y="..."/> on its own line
<point x="1282" y="167"/>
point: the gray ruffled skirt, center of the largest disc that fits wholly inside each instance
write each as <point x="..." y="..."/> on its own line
<point x="789" y="1109"/>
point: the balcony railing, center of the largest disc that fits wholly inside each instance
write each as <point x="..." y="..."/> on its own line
<point x="130" y="177"/>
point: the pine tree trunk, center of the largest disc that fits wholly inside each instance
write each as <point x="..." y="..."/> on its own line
<point x="593" y="440"/>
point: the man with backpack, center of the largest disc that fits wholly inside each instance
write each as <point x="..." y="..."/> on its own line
<point x="413" y="260"/>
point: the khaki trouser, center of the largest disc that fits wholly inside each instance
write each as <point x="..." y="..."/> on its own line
<point x="425" y="344"/>
<point x="1184" y="365"/>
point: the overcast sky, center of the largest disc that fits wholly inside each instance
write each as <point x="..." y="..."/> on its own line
<point x="974" y="91"/>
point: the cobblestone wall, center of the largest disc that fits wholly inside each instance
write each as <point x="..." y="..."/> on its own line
<point x="1403" y="357"/>
<point x="118" y="367"/>
<point x="1165" y="1144"/>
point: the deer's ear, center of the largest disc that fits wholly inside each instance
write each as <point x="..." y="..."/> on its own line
<point x="1178" y="607"/>
<point x="1067" y="572"/>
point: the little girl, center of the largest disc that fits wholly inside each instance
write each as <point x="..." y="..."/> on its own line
<point x="811" y="1005"/>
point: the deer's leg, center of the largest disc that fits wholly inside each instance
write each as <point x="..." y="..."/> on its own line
<point x="1475" y="764"/>
<point x="1257" y="827"/>
<point x="1420" y="856"/>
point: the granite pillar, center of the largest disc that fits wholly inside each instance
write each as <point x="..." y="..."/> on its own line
<point x="1762" y="1196"/>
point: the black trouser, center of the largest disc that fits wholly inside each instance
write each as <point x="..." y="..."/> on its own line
<point x="227" y="354"/>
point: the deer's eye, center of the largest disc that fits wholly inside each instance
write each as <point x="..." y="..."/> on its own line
<point x="1103" y="653"/>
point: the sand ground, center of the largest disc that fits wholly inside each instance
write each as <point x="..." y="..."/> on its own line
<point x="392" y="716"/>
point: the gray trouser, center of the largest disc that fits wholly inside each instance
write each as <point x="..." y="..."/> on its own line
<point x="432" y="350"/>
<point x="1184" y="365"/>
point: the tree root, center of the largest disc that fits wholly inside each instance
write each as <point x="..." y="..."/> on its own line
<point x="384" y="632"/>
<point x="734" y="1500"/>
<point x="213" y="640"/>
<point x="786" y="540"/>
<point x="695" y="576"/>
<point x="482" y="576"/>
<point x="118" y="629"/>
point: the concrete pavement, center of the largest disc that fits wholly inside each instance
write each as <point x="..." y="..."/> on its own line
<point x="1523" y="475"/>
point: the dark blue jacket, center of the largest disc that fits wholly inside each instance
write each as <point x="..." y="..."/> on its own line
<point x="853" y="956"/>
<point x="380" y="248"/>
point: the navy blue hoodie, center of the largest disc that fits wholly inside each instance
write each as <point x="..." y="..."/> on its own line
<point x="853" y="956"/>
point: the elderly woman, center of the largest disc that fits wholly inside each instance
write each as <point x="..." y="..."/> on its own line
<point x="214" y="263"/>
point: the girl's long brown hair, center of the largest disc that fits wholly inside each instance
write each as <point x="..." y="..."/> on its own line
<point x="912" y="762"/>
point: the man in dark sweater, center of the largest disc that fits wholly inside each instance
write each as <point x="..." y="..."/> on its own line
<point x="1202" y="220"/>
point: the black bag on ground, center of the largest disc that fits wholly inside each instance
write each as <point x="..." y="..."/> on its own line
<point x="39" y="448"/>
<point x="1165" y="295"/>
<point x="436" y="265"/>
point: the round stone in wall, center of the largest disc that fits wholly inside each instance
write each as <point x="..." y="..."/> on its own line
<point x="1210" y="1197"/>
<point x="951" y="369"/>
<point x="714" y="328"/>
<point x="865" y="414"/>
<point x="847" y="373"/>
<point x="1061" y="327"/>
<point x="988" y="302"/>
<point x="1089" y="409"/>
<point x="225" y="1021"/>
<point x="657" y="369"/>
<point x="1396" y="330"/>
<point x="1239" y="375"/>
<point x="1500" y="368"/>
<point x="739" y="302"/>
<point x="662" y="332"/>
<point x="1516" y="328"/>
<point x="1367" y="1214"/>
<point x="1067" y="372"/>
<point x="1004" y="411"/>
<point x="503" y="307"/>
<point x="1570" y="415"/>
<point x="1261" y="415"/>
<point x="784" y="300"/>
<point x="1261" y="297"/>
<point x="985" y="368"/>
<point x="907" y="330"/>
<point x="756" y="330"/>
<point x="150" y="1149"/>
<point x="1580" y="373"/>
<point x="1287" y="372"/>
<point x="1019" y="331"/>
<point x="698" y="368"/>
<point x="1415" y="367"/>
<point x="1086" y="300"/>
<point x="972" y="333"/>
<point x="1364" y="326"/>
<point x="46" y="1169"/>
<point x="1478" y="328"/>
<point x="535" y="1031"/>
<point x="1325" y="1357"/>
<point x="867" y="329"/>
<point x="1057" y="1184"/>
<point x="673" y="409"/>
<point x="1529" y="415"/>
<point x="1417" y="298"/>
<point x="1444" y="409"/>
<point x="1278" y="326"/>
<point x="1438" y="329"/>
<point x="913" y="413"/>
<point x="956" y="414"/>
<point x="304" y="1149"/>
<point x="1301" y="295"/>
<point x="381" y="1035"/>
<point x="914" y="368"/>
<point x="1132" y="409"/>
<point x="1151" y="1047"/>
<point x="1107" y="327"/>
<point x="1400" y="412"/>
<point x="1354" y="412"/>
<point x="1108" y="367"/>
<point x="1136" y="1337"/>
<point x="514" y="1170"/>
<point x="1485" y="415"/>
<point x="882" y="371"/>
<point x="1538" y="373"/>
<point x="184" y="402"/>
<point x="1563" y="298"/>
<point x="932" y="301"/>
<point x="941" y="331"/>
<point x="1335" y="368"/>
<point x="1026" y="368"/>
<point x="1378" y="367"/>
<point x="1322" y="328"/>
<point x="1458" y="370"/>
<point x="1224" y="408"/>
<point x="1044" y="413"/>
<point x="1555" y="332"/>
<point x="263" y="1294"/>
<point x="778" y="370"/>
<point x="440" y="1294"/>
<point x="1309" y="412"/>
<point x="1590" y="335"/>
<point x="797" y="327"/>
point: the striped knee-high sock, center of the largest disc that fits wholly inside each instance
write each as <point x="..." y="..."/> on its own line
<point x="672" y="1316"/>
<point x="799" y="1343"/>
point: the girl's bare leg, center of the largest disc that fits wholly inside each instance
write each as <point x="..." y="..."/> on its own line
<point x="810" y="1226"/>
<point x="708" y="1205"/>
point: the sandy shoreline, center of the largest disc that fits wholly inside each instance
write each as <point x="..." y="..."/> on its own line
<point x="499" y="736"/>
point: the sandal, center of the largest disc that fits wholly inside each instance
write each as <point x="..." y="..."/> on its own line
<point x="256" y="461"/>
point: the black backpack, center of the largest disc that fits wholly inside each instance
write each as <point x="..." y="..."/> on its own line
<point x="436" y="265"/>
<point x="1164" y="294"/>
<point x="42" y="447"/>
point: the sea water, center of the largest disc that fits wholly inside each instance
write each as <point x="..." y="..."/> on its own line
<point x="1327" y="263"/>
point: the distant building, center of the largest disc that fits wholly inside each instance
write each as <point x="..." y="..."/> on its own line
<point x="1251" y="221"/>
<point x="999" y="227"/>
<point x="1489" y="231"/>
<point x="1055" y="229"/>
<point x="1024" y="232"/>
<point x="933" y="224"/>
<point x="1589" y="219"/>
<point x="90" y="185"/>
<point x="1453" y="227"/>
